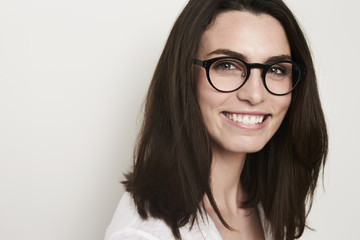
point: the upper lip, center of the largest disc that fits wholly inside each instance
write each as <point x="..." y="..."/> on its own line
<point x="257" y="113"/>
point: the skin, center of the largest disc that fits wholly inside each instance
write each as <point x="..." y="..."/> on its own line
<point x="257" y="38"/>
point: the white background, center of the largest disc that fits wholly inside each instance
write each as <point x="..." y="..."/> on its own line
<point x="73" y="75"/>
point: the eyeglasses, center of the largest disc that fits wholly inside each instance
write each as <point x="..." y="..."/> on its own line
<point x="228" y="74"/>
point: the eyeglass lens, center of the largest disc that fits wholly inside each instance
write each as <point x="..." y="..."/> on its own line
<point x="230" y="74"/>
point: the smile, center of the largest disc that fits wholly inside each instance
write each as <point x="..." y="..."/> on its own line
<point x="247" y="119"/>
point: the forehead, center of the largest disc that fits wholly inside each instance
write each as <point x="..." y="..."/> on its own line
<point x="257" y="37"/>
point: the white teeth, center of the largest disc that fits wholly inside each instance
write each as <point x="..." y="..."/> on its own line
<point x="261" y="119"/>
<point x="245" y="119"/>
<point x="234" y="117"/>
<point x="252" y="120"/>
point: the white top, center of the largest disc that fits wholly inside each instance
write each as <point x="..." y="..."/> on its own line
<point x="127" y="224"/>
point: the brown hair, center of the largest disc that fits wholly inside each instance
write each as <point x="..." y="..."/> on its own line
<point x="173" y="157"/>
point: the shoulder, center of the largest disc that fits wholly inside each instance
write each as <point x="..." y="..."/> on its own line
<point x="127" y="224"/>
<point x="132" y="234"/>
<point x="264" y="222"/>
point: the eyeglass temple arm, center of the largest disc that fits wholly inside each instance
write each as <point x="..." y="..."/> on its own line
<point x="199" y="62"/>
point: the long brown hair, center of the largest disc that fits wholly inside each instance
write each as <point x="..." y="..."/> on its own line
<point x="172" y="159"/>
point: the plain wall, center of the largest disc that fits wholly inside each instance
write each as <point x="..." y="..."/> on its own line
<point x="73" y="76"/>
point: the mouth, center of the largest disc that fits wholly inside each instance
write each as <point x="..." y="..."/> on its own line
<point x="247" y="119"/>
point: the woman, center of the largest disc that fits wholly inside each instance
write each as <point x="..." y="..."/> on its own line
<point x="233" y="137"/>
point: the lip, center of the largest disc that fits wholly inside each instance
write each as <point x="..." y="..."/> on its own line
<point x="256" y="126"/>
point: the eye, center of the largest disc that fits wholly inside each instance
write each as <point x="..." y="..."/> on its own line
<point x="280" y="69"/>
<point x="277" y="70"/>
<point x="228" y="65"/>
<point x="225" y="65"/>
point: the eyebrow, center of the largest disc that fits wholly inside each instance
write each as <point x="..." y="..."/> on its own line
<point x="272" y="59"/>
<point x="228" y="53"/>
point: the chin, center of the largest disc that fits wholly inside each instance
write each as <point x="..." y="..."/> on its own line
<point x="252" y="149"/>
<point x="244" y="147"/>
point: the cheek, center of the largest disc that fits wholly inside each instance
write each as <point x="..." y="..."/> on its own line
<point x="281" y="105"/>
<point x="203" y="89"/>
<point x="286" y="102"/>
<point x="210" y="100"/>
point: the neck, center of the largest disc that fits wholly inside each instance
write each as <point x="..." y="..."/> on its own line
<point x="225" y="178"/>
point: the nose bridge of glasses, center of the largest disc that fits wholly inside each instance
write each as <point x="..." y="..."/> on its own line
<point x="256" y="65"/>
<point x="259" y="66"/>
<point x="253" y="91"/>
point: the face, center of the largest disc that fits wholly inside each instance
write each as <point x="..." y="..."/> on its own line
<point x="242" y="121"/>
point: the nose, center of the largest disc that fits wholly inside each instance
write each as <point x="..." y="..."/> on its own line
<point x="253" y="91"/>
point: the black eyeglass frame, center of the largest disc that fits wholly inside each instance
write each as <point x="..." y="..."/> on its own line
<point x="265" y="67"/>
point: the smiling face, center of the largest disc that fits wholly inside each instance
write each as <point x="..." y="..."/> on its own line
<point x="242" y="121"/>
